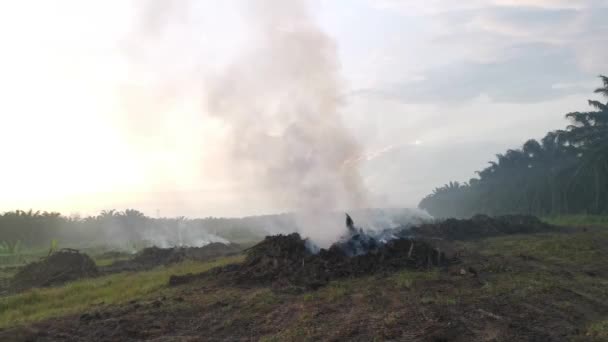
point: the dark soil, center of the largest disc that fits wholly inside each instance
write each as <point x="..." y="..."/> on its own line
<point x="452" y="307"/>
<point x="551" y="289"/>
<point x="113" y="255"/>
<point x="481" y="226"/>
<point x="58" y="268"/>
<point x="285" y="262"/>
<point x="151" y="257"/>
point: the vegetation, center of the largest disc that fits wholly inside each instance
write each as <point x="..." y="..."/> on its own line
<point x="75" y="297"/>
<point x="561" y="276"/>
<point x="583" y="221"/>
<point x="130" y="230"/>
<point x="564" y="173"/>
<point x="516" y="282"/>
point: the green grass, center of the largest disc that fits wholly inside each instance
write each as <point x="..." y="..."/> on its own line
<point x="338" y="290"/>
<point x="100" y="262"/>
<point x="599" y="330"/>
<point x="578" y="221"/>
<point x="38" y="304"/>
<point x="521" y="285"/>
<point x="23" y="257"/>
<point x="520" y="268"/>
<point x="406" y="279"/>
<point x="579" y="249"/>
<point x="7" y="273"/>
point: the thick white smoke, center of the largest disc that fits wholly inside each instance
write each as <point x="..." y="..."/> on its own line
<point x="279" y="101"/>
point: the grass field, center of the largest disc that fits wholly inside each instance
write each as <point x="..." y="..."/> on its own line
<point x="77" y="296"/>
<point x="586" y="221"/>
<point x="528" y="285"/>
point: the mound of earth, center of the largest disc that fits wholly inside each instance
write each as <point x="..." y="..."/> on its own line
<point x="480" y="226"/>
<point x="113" y="255"/>
<point x="286" y="261"/>
<point x="289" y="260"/>
<point x="58" y="268"/>
<point x="154" y="256"/>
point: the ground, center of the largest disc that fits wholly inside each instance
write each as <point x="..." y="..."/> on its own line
<point x="542" y="287"/>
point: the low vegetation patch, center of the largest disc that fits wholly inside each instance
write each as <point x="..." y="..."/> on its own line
<point x="38" y="304"/>
<point x="544" y="286"/>
<point x="583" y="221"/>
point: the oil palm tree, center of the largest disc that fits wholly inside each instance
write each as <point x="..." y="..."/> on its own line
<point x="589" y="134"/>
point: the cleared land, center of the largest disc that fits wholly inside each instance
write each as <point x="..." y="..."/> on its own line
<point x="551" y="286"/>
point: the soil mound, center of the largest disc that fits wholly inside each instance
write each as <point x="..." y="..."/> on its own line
<point x="480" y="226"/>
<point x="289" y="260"/>
<point x="210" y="251"/>
<point x="154" y="256"/>
<point x="286" y="261"/>
<point x="113" y="255"/>
<point x="58" y="268"/>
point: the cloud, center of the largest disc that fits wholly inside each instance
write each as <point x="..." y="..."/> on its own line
<point x="511" y="51"/>
<point x="529" y="76"/>
<point x="442" y="6"/>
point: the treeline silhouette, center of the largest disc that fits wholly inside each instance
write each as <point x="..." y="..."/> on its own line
<point x="132" y="230"/>
<point x="129" y="229"/>
<point x="566" y="172"/>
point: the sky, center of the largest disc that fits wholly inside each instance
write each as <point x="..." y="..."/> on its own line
<point x="100" y="104"/>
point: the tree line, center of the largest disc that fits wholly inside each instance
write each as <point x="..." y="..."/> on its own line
<point x="129" y="229"/>
<point x="132" y="230"/>
<point x="566" y="172"/>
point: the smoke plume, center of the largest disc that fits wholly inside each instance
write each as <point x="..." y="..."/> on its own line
<point x="279" y="101"/>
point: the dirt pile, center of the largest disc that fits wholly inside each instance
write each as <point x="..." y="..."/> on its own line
<point x="480" y="226"/>
<point x="289" y="260"/>
<point x="154" y="256"/>
<point x="210" y="251"/>
<point x="114" y="255"/>
<point x="58" y="268"/>
<point x="286" y="261"/>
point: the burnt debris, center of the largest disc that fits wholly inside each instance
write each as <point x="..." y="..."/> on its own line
<point x="58" y="268"/>
<point x="289" y="261"/>
<point x="350" y="224"/>
<point x="154" y="256"/>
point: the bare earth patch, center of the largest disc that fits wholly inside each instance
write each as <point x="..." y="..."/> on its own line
<point x="540" y="287"/>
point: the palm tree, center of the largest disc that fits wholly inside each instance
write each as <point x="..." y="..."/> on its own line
<point x="564" y="172"/>
<point x="589" y="134"/>
<point x="603" y="90"/>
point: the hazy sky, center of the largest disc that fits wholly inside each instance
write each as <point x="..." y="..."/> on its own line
<point x="432" y="90"/>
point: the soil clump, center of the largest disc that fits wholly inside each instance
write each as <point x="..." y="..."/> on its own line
<point x="287" y="262"/>
<point x="151" y="257"/>
<point x="58" y="268"/>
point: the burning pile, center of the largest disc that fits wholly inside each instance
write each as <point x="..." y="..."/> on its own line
<point x="288" y="261"/>
<point x="58" y="268"/>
